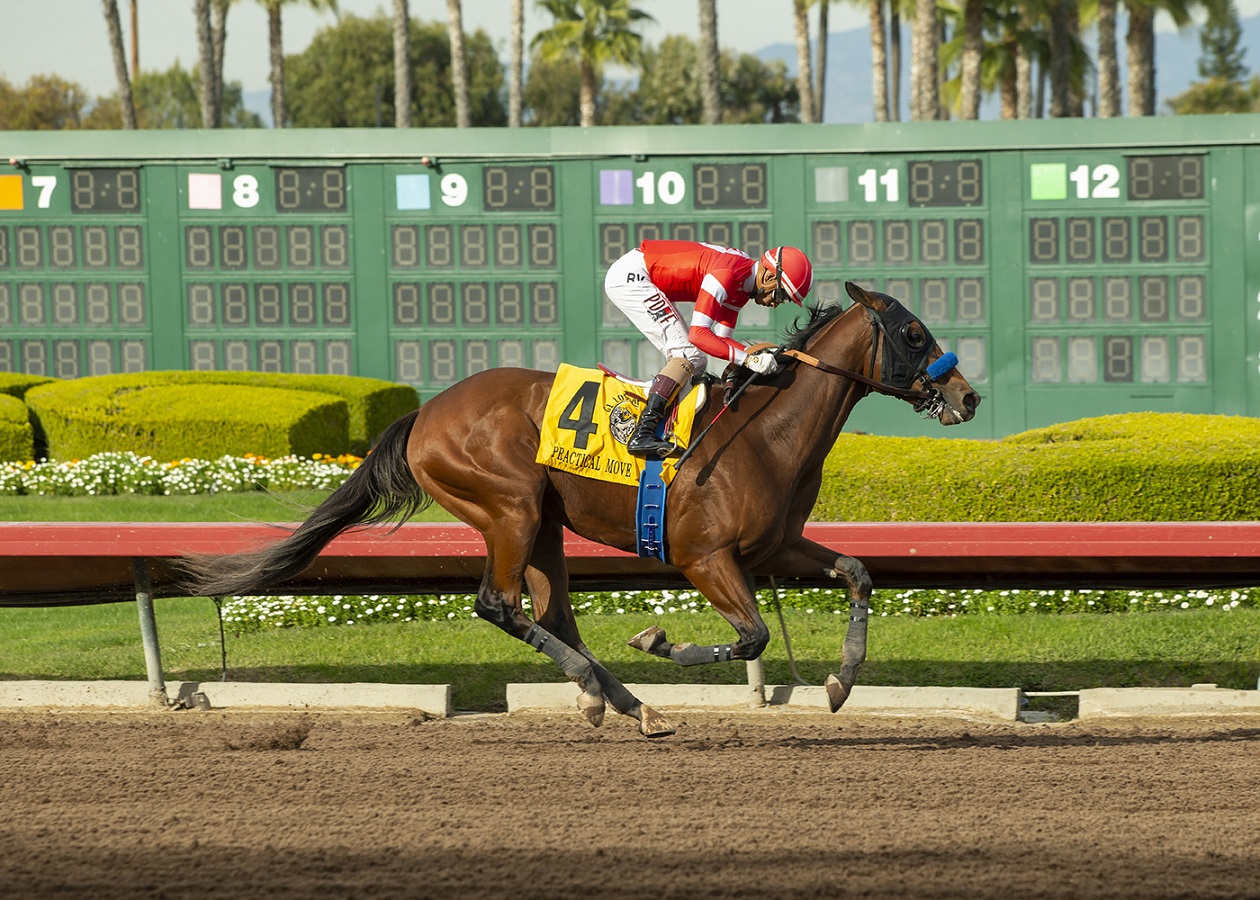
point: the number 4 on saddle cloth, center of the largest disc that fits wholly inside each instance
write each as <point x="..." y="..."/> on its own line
<point x="590" y="415"/>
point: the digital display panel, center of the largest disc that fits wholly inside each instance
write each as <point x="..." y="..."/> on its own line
<point x="1119" y="296"/>
<point x="519" y="188"/>
<point x="105" y="190"/>
<point x="310" y="190"/>
<point x="1075" y="268"/>
<point x="955" y="182"/>
<point x="918" y="229"/>
<point x="1165" y="177"/>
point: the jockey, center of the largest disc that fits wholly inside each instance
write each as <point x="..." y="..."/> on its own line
<point x="647" y="284"/>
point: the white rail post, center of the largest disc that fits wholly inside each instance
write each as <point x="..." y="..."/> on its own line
<point x="148" y="632"/>
<point x="756" y="670"/>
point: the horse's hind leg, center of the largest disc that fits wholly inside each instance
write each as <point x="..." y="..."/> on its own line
<point x="719" y="578"/>
<point x="547" y="577"/>
<point x="499" y="602"/>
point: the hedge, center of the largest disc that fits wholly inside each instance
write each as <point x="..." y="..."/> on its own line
<point x="1134" y="467"/>
<point x="17" y="439"/>
<point x="190" y="420"/>
<point x="371" y="404"/>
<point x="16" y="384"/>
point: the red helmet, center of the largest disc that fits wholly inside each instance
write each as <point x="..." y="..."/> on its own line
<point x="796" y="276"/>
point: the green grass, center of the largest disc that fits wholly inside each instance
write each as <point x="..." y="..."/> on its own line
<point x="250" y="506"/>
<point x="1042" y="652"/>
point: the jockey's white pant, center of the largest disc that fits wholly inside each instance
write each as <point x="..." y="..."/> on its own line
<point x="630" y="289"/>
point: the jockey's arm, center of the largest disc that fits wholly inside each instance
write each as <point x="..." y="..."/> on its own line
<point x="713" y="327"/>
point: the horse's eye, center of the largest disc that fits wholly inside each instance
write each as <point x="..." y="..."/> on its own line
<point x="915" y="338"/>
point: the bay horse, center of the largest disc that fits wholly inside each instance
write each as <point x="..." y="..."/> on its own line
<point x="736" y="509"/>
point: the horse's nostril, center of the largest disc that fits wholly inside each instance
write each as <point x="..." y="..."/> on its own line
<point x="971" y="400"/>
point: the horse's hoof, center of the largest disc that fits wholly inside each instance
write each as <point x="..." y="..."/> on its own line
<point x="592" y="706"/>
<point x="649" y="640"/>
<point x="652" y="724"/>
<point x="837" y="693"/>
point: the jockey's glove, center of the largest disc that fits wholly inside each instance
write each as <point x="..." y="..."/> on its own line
<point x="762" y="362"/>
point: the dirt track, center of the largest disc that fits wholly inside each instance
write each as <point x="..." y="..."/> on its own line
<point x="222" y="804"/>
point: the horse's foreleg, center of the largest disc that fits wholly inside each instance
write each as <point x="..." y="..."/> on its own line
<point x="721" y="581"/>
<point x="547" y="577"/>
<point x="804" y="558"/>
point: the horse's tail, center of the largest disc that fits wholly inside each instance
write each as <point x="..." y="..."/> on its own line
<point x="381" y="489"/>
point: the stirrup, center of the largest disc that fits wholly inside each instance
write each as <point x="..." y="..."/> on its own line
<point x="649" y="445"/>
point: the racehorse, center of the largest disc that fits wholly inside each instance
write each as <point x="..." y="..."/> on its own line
<point x="736" y="509"/>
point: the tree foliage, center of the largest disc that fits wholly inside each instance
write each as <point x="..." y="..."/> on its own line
<point x="1217" y="96"/>
<point x="752" y="91"/>
<point x="1224" y="88"/>
<point x="1222" y="57"/>
<point x="46" y="103"/>
<point x="345" y="78"/>
<point x="552" y="90"/>
<point x="170" y="100"/>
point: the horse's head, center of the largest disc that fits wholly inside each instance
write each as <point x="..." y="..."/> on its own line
<point x="910" y="359"/>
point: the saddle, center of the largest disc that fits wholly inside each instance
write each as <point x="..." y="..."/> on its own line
<point x="698" y="389"/>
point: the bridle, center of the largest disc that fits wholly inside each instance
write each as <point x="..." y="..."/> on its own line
<point x="928" y="402"/>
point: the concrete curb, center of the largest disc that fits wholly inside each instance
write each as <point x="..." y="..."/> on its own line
<point x="1001" y="703"/>
<point x="1196" y="700"/>
<point x="435" y="699"/>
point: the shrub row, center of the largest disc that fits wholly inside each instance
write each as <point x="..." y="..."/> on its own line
<point x="170" y="415"/>
<point x="1124" y="468"/>
<point x="16" y="436"/>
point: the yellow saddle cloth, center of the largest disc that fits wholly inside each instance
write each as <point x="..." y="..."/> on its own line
<point x="589" y="418"/>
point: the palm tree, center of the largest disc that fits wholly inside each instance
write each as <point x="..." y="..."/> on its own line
<point x="402" y="65"/>
<point x="804" y="75"/>
<point x="1140" y="46"/>
<point x="710" y="62"/>
<point x="135" y="38"/>
<point x="276" y="45"/>
<point x="205" y="58"/>
<point x="516" y="78"/>
<point x="924" y="66"/>
<point x="879" y="61"/>
<point x="594" y="32"/>
<point x="972" y="56"/>
<point x="114" y="26"/>
<point x="1108" y="70"/>
<point x="820" y="70"/>
<point x="894" y="58"/>
<point x="459" y="63"/>
<point x="218" y="39"/>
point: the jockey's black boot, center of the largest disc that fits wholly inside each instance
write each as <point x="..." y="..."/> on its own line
<point x="644" y="442"/>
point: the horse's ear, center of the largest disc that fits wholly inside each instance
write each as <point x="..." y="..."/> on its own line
<point x="866" y="298"/>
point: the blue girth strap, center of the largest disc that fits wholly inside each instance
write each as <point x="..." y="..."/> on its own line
<point x="649" y="511"/>
<point x="649" y="517"/>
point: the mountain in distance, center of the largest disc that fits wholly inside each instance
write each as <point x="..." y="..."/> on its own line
<point x="848" y="93"/>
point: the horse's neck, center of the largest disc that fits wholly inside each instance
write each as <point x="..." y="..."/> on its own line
<point x="818" y="403"/>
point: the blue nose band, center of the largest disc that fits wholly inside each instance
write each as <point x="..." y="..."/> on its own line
<point x="942" y="366"/>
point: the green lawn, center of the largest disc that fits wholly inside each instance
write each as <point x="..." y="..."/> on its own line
<point x="250" y="506"/>
<point x="1033" y="652"/>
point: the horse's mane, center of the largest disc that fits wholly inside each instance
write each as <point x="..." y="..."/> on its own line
<point x="798" y="336"/>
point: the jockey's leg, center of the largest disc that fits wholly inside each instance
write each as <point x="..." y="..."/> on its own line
<point x="644" y="442"/>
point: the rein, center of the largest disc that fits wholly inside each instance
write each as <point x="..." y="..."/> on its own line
<point x="928" y="403"/>
<point x="901" y="393"/>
